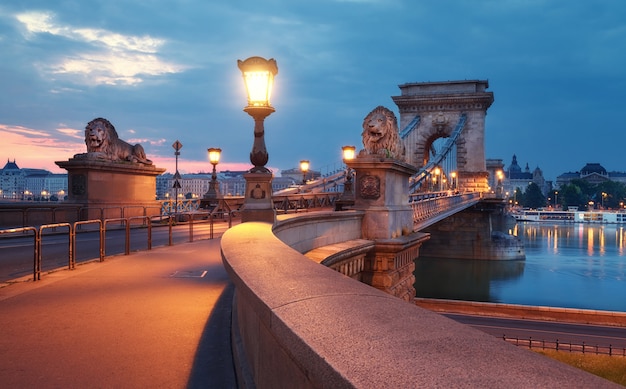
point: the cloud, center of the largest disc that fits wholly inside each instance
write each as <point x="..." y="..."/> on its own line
<point x="38" y="148"/>
<point x="110" y="58"/>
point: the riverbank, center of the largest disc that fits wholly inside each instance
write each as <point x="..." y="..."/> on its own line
<point x="566" y="315"/>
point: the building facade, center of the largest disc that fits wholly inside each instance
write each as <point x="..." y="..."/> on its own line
<point x="593" y="173"/>
<point x="31" y="184"/>
<point x="516" y="178"/>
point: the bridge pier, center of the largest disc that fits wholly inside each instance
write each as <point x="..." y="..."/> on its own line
<point x="381" y="191"/>
<point x="479" y="232"/>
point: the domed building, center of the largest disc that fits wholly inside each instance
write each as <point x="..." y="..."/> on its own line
<point x="515" y="177"/>
<point x="593" y="173"/>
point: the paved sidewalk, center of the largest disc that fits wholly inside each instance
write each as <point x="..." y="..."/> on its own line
<point x="152" y="319"/>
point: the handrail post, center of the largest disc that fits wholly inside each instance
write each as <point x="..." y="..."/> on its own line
<point x="103" y="236"/>
<point x="127" y="243"/>
<point x="149" y="232"/>
<point x="71" y="260"/>
<point x="170" y="229"/>
<point x="37" y="265"/>
<point x="190" y="227"/>
<point x="73" y="249"/>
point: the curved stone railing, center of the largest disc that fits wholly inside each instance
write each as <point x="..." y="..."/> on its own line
<point x="299" y="324"/>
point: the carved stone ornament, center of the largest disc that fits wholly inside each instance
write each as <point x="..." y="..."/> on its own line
<point x="257" y="193"/>
<point x="369" y="187"/>
<point x="79" y="184"/>
<point x="103" y="143"/>
<point x="440" y="122"/>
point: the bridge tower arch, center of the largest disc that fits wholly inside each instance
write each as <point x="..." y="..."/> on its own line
<point x="438" y="108"/>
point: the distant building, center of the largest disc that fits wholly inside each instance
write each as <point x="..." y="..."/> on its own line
<point x="296" y="174"/>
<point x="515" y="178"/>
<point x="493" y="167"/>
<point x="593" y="173"/>
<point x="31" y="184"/>
<point x="196" y="185"/>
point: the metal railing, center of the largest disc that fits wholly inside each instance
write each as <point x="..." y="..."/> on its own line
<point x="429" y="208"/>
<point x="190" y="218"/>
<point x="557" y="345"/>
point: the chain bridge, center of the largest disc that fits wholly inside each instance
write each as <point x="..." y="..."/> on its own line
<point x="443" y="131"/>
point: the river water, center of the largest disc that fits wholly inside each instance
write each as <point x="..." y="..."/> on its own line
<point x="567" y="265"/>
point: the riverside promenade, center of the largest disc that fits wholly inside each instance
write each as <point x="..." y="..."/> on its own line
<point x="158" y="318"/>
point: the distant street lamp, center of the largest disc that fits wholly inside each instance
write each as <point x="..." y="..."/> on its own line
<point x="304" y="168"/>
<point x="556" y="198"/>
<point x="214" y="186"/>
<point x="437" y="172"/>
<point x="347" y="197"/>
<point x="499" y="187"/>
<point x="453" y="175"/>
<point x="258" y="74"/>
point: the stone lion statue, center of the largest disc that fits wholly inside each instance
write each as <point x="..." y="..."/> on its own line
<point x="381" y="134"/>
<point x="103" y="143"/>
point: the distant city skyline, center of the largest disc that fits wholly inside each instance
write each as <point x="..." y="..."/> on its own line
<point x="163" y="71"/>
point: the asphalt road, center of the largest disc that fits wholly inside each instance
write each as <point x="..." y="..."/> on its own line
<point x="546" y="330"/>
<point x="17" y="252"/>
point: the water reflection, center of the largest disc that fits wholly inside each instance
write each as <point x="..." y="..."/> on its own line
<point x="462" y="279"/>
<point x="567" y="265"/>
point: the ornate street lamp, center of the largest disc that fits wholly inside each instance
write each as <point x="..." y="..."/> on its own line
<point x="347" y="197"/>
<point x="214" y="186"/>
<point x="258" y="75"/>
<point x="304" y="168"/>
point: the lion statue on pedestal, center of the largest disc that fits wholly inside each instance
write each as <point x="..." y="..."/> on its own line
<point x="381" y="134"/>
<point x="103" y="143"/>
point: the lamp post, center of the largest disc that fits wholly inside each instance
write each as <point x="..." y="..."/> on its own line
<point x="453" y="176"/>
<point x="556" y="198"/>
<point x="304" y="168"/>
<point x="347" y="197"/>
<point x="436" y="179"/>
<point x="258" y="74"/>
<point x="214" y="186"/>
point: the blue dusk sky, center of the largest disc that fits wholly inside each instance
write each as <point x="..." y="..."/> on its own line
<point x="167" y="70"/>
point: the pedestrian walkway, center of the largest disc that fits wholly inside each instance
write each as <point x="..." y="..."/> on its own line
<point x="153" y="319"/>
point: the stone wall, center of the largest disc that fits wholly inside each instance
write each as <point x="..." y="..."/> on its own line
<point x="299" y="324"/>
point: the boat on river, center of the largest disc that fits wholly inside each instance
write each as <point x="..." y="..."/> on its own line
<point x="599" y="217"/>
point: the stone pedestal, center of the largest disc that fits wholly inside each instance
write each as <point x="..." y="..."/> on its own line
<point x="99" y="184"/>
<point x="381" y="190"/>
<point x="258" y="204"/>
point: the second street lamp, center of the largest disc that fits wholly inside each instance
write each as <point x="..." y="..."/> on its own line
<point x="347" y="197"/>
<point x="214" y="186"/>
<point x="304" y="168"/>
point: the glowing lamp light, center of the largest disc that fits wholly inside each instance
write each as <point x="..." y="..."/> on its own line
<point x="348" y="152"/>
<point x="214" y="155"/>
<point x="258" y="75"/>
<point x="304" y="166"/>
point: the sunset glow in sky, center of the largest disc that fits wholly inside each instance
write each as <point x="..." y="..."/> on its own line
<point x="167" y="70"/>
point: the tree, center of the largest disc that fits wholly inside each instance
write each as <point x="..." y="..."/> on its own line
<point x="572" y="196"/>
<point x="533" y="198"/>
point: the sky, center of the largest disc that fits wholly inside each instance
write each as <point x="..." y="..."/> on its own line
<point x="166" y="70"/>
